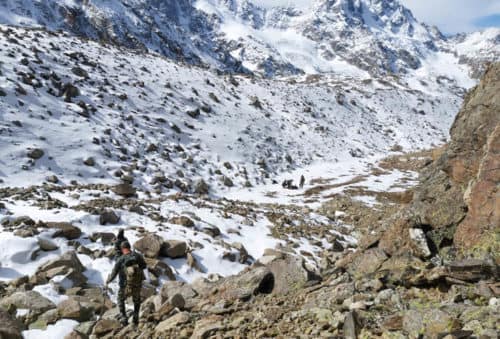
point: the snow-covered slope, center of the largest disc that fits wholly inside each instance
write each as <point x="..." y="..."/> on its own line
<point x="353" y="37"/>
<point x="78" y="99"/>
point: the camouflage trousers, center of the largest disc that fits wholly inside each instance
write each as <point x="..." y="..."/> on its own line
<point x="135" y="293"/>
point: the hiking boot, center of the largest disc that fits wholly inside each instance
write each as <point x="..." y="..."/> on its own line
<point x="124" y="321"/>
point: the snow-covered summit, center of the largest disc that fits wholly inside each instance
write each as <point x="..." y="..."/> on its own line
<point x="327" y="36"/>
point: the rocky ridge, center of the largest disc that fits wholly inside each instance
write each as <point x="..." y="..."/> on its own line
<point x="378" y="37"/>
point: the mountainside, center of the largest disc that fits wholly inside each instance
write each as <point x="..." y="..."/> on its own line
<point x="408" y="280"/>
<point x="77" y="100"/>
<point x="373" y="37"/>
<point x="265" y="160"/>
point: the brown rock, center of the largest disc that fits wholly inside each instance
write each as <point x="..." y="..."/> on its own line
<point x="457" y="197"/>
<point x="65" y="230"/>
<point x="247" y="284"/>
<point x="10" y="328"/>
<point x="105" y="326"/>
<point x="125" y="190"/>
<point x="150" y="245"/>
<point x="289" y="273"/>
<point x="174" y="249"/>
<point x="182" y="220"/>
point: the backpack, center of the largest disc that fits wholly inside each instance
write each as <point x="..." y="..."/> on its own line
<point x="133" y="272"/>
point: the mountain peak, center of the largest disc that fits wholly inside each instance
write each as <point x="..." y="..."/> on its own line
<point x="376" y="37"/>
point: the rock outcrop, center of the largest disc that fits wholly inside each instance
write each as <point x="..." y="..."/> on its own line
<point x="457" y="203"/>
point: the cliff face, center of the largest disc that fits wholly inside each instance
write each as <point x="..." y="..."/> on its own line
<point x="457" y="204"/>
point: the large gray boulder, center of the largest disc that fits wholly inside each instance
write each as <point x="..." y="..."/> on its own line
<point x="289" y="273"/>
<point x="247" y="284"/>
<point x="31" y="300"/>
<point x="66" y="262"/>
<point x="150" y="245"/>
<point x="172" y="288"/>
<point x="65" y="230"/>
<point x="73" y="309"/>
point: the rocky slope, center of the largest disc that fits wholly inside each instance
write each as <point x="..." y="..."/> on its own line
<point x="82" y="111"/>
<point x="400" y="282"/>
<point x="457" y="203"/>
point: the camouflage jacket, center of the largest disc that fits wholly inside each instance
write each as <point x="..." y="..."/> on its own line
<point x="120" y="267"/>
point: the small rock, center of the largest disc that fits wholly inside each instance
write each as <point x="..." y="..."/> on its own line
<point x="125" y="190"/>
<point x="52" y="179"/>
<point x="35" y="153"/>
<point x="182" y="220"/>
<point x="351" y="325"/>
<point x="173" y="322"/>
<point x="109" y="217"/>
<point x="47" y="245"/>
<point x="89" y="161"/>
<point x="201" y="187"/>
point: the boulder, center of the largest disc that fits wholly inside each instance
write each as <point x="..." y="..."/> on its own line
<point x="75" y="335"/>
<point x="174" y="249"/>
<point x="71" y="279"/>
<point x="106" y="238"/>
<point x="104" y="326"/>
<point x="164" y="309"/>
<point x="171" y="288"/>
<point x="473" y="270"/>
<point x="182" y="220"/>
<point x="352" y="325"/>
<point x="247" y="284"/>
<point x="109" y="217"/>
<point x="65" y="230"/>
<point x="66" y="262"/>
<point x="419" y="242"/>
<point x="289" y="273"/>
<point x="150" y="245"/>
<point x="367" y="262"/>
<point x="207" y="327"/>
<point x="159" y="268"/>
<point x="73" y="309"/>
<point x="193" y="263"/>
<point x="173" y="322"/>
<point x="10" y="328"/>
<point x="32" y="300"/>
<point x="125" y="190"/>
<point x="47" y="245"/>
<point x="211" y="230"/>
<point x="89" y="162"/>
<point x="35" y="153"/>
<point x="429" y="322"/>
<point x="201" y="187"/>
<point x="77" y="70"/>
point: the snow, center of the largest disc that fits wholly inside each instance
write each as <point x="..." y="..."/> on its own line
<point x="59" y="330"/>
<point x="50" y="293"/>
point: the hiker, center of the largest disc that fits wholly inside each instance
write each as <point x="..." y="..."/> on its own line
<point x="119" y="239"/>
<point x="302" y="181"/>
<point x="130" y="266"/>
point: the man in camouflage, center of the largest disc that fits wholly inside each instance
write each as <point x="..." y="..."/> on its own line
<point x="130" y="268"/>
